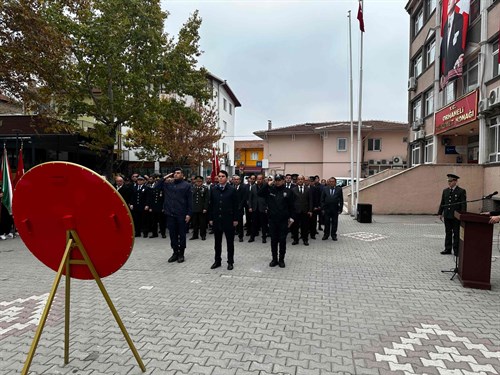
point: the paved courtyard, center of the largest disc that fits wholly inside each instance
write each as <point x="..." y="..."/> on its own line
<point x="375" y="302"/>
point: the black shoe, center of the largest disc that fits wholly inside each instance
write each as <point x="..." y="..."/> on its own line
<point x="163" y="236"/>
<point x="334" y="237"/>
<point x="264" y="240"/>
<point x="281" y="263"/>
<point x="193" y="238"/>
<point x="211" y="232"/>
<point x="324" y="238"/>
<point x="251" y="239"/>
<point x="241" y="239"/>
<point x="153" y="236"/>
<point x="313" y="237"/>
<point x="173" y="258"/>
<point x="215" y="265"/>
<point x="444" y="252"/>
<point x="180" y="259"/>
<point x="295" y="242"/>
<point x="306" y="243"/>
<point x="273" y="263"/>
<point x="203" y="238"/>
<point x="230" y="266"/>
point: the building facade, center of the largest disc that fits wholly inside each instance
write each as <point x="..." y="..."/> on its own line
<point x="323" y="149"/>
<point x="460" y="122"/>
<point x="248" y="157"/>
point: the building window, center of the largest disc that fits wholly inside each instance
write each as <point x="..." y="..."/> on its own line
<point x="224" y="104"/>
<point x="341" y="144"/>
<point x="449" y="92"/>
<point x="224" y="126"/>
<point x="430" y="52"/>
<point x="494" y="140"/>
<point x="418" y="21"/>
<point x="374" y="144"/>
<point x="417" y="65"/>
<point x="429" y="102"/>
<point x="475" y="10"/>
<point x="254" y="155"/>
<point x="430" y="6"/>
<point x="470" y="75"/>
<point x="496" y="63"/>
<point x="230" y="109"/>
<point x="415" y="154"/>
<point x="225" y="147"/>
<point x="417" y="109"/>
<point x="429" y="145"/>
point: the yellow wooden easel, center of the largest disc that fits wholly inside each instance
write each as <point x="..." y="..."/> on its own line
<point x="73" y="243"/>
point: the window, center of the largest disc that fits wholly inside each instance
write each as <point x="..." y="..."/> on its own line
<point x="496" y="64"/>
<point x="429" y="102"/>
<point x="494" y="140"/>
<point x="417" y="109"/>
<point x="224" y="104"/>
<point x="475" y="11"/>
<point x="429" y="145"/>
<point x="418" y="21"/>
<point x="415" y="154"/>
<point x="230" y="109"/>
<point x="430" y="52"/>
<point x="430" y="6"/>
<point x="449" y="92"/>
<point x="224" y="126"/>
<point x="417" y="65"/>
<point x="470" y="75"/>
<point x="374" y="144"/>
<point x="254" y="155"/>
<point x="225" y="148"/>
<point x="341" y="144"/>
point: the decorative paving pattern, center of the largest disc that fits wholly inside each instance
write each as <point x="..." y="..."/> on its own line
<point x="22" y="315"/>
<point x="429" y="349"/>
<point x="365" y="236"/>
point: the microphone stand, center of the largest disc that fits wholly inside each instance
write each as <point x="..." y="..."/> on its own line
<point x="454" y="271"/>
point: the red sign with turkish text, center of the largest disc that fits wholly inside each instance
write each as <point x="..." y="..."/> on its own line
<point x="456" y="114"/>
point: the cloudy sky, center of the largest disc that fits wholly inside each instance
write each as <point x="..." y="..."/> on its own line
<point x="288" y="61"/>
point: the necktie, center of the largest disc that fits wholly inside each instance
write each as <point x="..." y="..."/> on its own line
<point x="331" y="191"/>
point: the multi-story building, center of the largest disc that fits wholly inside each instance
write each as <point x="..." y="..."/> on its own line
<point x="323" y="149"/>
<point x="248" y="156"/>
<point x="460" y="122"/>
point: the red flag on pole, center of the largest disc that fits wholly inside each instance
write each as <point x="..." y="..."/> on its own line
<point x="20" y="168"/>
<point x="360" y="17"/>
<point x="215" y="164"/>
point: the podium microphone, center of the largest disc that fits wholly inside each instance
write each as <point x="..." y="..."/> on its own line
<point x="490" y="195"/>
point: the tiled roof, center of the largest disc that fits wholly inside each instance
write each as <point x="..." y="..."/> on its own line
<point x="334" y="126"/>
<point x="248" y="144"/>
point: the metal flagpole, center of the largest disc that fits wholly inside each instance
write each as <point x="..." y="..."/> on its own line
<point x="351" y="115"/>
<point x="358" y="159"/>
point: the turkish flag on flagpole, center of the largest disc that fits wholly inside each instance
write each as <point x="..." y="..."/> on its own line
<point x="215" y="164"/>
<point x="20" y="168"/>
<point x="360" y="17"/>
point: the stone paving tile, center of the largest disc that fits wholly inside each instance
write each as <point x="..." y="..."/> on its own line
<point x="331" y="311"/>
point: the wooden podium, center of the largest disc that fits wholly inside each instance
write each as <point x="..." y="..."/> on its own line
<point x="476" y="235"/>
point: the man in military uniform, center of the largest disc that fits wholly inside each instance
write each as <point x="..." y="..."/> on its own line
<point x="242" y="195"/>
<point x="200" y="209"/>
<point x="156" y="214"/>
<point x="453" y="199"/>
<point x="223" y="216"/>
<point x="279" y="202"/>
<point x="257" y="206"/>
<point x="139" y="205"/>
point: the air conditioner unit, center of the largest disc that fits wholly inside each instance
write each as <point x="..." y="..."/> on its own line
<point x="483" y="105"/>
<point x="415" y="125"/>
<point x="412" y="84"/>
<point x="371" y="162"/>
<point x="378" y="161"/>
<point x="494" y="96"/>
<point x="420" y="134"/>
<point x="383" y="161"/>
<point x="397" y="160"/>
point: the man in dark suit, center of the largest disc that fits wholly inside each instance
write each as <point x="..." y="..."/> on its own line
<point x="123" y="189"/>
<point x="201" y="197"/>
<point x="454" y="198"/>
<point x="302" y="211"/>
<point x="258" y="207"/>
<point x="139" y="205"/>
<point x="156" y="214"/>
<point x="242" y="195"/>
<point x="316" y="189"/>
<point x="223" y="216"/>
<point x="332" y="204"/>
<point x="452" y="45"/>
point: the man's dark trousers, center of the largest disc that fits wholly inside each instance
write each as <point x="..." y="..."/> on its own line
<point x="177" y="231"/>
<point x="229" y="233"/>
<point x="278" y="231"/>
<point x="452" y="230"/>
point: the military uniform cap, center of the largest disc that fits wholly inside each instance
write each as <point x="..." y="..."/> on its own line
<point x="279" y="177"/>
<point x="140" y="178"/>
<point x="452" y="176"/>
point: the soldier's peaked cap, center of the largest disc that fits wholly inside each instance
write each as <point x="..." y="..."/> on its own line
<point x="452" y="176"/>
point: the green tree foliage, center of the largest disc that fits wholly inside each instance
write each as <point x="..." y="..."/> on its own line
<point x="110" y="61"/>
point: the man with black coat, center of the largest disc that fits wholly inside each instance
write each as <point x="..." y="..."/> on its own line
<point x="453" y="199"/>
<point x="242" y="195"/>
<point x="156" y="214"/>
<point x="201" y="198"/>
<point x="258" y="207"/>
<point x="332" y="204"/>
<point x="223" y="216"/>
<point x="316" y="190"/>
<point x="279" y="203"/>
<point x="302" y="210"/>
<point x="139" y="206"/>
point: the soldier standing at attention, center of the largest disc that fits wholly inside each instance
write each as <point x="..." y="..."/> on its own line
<point x="156" y="213"/>
<point x="454" y="198"/>
<point x="200" y="209"/>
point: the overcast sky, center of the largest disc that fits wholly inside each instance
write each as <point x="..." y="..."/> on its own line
<point x="288" y="61"/>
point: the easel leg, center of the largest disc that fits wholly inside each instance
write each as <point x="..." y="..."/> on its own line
<point x="46" y="310"/>
<point x="66" y="313"/>
<point x="109" y="302"/>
